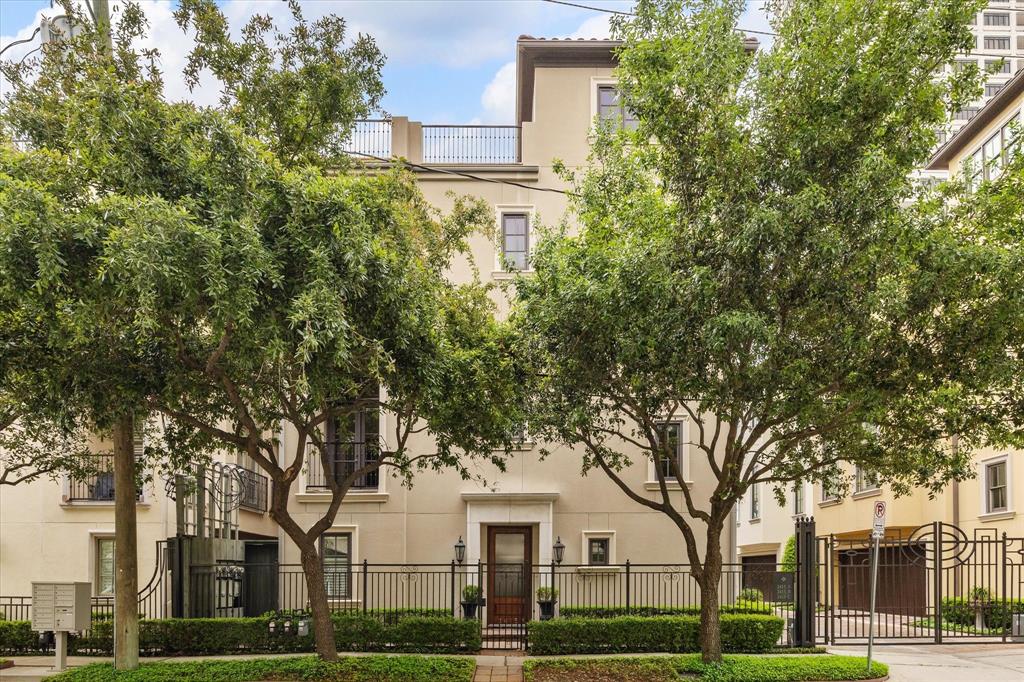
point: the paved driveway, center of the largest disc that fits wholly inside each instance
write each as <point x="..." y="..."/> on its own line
<point x="947" y="662"/>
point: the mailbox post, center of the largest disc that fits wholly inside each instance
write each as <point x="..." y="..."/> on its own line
<point x="61" y="608"/>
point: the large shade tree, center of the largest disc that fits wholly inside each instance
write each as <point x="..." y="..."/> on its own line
<point x="755" y="259"/>
<point x="203" y="264"/>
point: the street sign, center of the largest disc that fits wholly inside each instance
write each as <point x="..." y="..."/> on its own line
<point x="878" y="522"/>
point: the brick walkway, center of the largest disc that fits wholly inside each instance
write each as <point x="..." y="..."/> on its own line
<point x="498" y="673"/>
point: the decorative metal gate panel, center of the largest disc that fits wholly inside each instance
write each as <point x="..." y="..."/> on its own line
<point x="936" y="584"/>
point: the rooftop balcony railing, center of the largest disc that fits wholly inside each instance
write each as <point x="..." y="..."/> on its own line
<point x="471" y="144"/>
<point x="435" y="143"/>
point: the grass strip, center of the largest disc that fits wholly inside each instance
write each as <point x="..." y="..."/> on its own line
<point x="346" y="669"/>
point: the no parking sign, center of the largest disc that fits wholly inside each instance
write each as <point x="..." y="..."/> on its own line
<point x="878" y="522"/>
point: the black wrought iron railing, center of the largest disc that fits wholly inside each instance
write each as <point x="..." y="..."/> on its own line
<point x="97" y="487"/>
<point x="344" y="459"/>
<point x="255" y="488"/>
<point x="471" y="144"/>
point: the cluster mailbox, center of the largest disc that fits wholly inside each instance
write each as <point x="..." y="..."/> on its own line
<point x="61" y="607"/>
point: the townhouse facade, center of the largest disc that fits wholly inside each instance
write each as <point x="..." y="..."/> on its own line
<point x="538" y="512"/>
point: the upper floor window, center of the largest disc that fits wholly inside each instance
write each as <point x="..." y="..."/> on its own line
<point x="515" y="240"/>
<point x="828" y="493"/>
<point x="987" y="162"/>
<point x="997" y="43"/>
<point x="611" y="110"/>
<point x="1000" y="19"/>
<point x="965" y="114"/>
<point x="798" y="499"/>
<point x="999" y="65"/>
<point x="997" y="497"/>
<point x="755" y="502"/>
<point x="104" y="566"/>
<point x="865" y="480"/>
<point x="336" y="557"/>
<point x="672" y="438"/>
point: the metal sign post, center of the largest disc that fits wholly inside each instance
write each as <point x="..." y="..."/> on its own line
<point x="877" y="533"/>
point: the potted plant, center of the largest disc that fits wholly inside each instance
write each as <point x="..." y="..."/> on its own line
<point x="980" y="599"/>
<point x="547" y="597"/>
<point x="470" y="601"/>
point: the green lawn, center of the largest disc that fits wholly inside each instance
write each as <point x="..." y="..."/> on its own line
<point x="955" y="628"/>
<point x="738" y="668"/>
<point x="348" y="669"/>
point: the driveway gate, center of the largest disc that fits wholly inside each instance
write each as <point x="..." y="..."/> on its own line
<point x="935" y="584"/>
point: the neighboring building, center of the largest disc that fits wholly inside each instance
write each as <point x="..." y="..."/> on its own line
<point x="999" y="30"/>
<point x="763" y="528"/>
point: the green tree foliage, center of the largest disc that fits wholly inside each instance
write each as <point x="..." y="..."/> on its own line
<point x="199" y="263"/>
<point x="754" y="258"/>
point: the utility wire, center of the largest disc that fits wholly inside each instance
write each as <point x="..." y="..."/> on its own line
<point x="20" y="42"/>
<point x="633" y="14"/>
<point x="463" y="174"/>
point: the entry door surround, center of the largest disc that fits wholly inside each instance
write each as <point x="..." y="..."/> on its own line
<point x="534" y="509"/>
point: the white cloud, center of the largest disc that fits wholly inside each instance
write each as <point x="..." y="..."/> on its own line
<point x="499" y="98"/>
<point x="594" y="27"/>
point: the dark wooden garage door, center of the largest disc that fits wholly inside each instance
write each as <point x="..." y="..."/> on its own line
<point x="902" y="585"/>
<point x="759" y="573"/>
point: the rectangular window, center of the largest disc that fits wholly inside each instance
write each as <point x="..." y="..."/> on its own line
<point x="515" y="240"/>
<point x="992" y="89"/>
<point x="997" y="42"/>
<point x="965" y="114"/>
<point x="993" y="156"/>
<point x="672" y="437"/>
<point x="963" y="64"/>
<point x="975" y="170"/>
<point x="1011" y="136"/>
<point x="828" y="493"/>
<point x="865" y="480"/>
<point x="353" y="443"/>
<point x="798" y="499"/>
<point x="999" y="66"/>
<point x="1001" y="19"/>
<point x="995" y="487"/>
<point x="755" y="502"/>
<point x="597" y="551"/>
<point x="336" y="555"/>
<point x="611" y="110"/>
<point x="104" y="566"/>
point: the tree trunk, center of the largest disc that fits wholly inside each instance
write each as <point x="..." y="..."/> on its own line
<point x="323" y="626"/>
<point x="710" y="623"/>
<point x="126" y="569"/>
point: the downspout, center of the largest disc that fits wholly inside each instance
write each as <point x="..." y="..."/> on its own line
<point x="955" y="446"/>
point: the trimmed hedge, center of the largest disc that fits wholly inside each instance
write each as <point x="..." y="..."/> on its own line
<point x="748" y="633"/>
<point x="731" y="669"/>
<point x="740" y="607"/>
<point x="997" y="615"/>
<point x="203" y="636"/>
<point x="351" y="669"/>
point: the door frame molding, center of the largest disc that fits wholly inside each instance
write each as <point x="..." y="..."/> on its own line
<point x="527" y="532"/>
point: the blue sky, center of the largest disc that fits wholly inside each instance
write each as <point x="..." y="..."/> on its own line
<point x="449" y="61"/>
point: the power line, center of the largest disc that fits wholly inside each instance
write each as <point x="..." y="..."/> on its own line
<point x="20" y="42"/>
<point x="449" y="171"/>
<point x="633" y="14"/>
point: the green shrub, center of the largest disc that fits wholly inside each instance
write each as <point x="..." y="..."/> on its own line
<point x="751" y="594"/>
<point x="351" y="669"/>
<point x="17" y="635"/>
<point x="731" y="669"/>
<point x="788" y="564"/>
<point x="997" y="613"/>
<point x="471" y="593"/>
<point x="740" y="607"/>
<point x="372" y="631"/>
<point x="639" y="634"/>
<point x="547" y="593"/>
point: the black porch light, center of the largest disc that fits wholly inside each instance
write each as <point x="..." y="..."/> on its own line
<point x="559" y="550"/>
<point x="460" y="550"/>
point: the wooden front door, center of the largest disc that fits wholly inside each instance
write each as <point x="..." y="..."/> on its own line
<point x="508" y="574"/>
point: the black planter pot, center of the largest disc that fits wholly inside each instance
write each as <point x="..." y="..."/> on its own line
<point x="547" y="609"/>
<point x="469" y="610"/>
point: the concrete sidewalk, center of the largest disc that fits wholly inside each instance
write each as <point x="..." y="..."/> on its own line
<point x="947" y="662"/>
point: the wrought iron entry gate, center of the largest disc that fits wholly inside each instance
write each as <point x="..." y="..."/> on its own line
<point x="936" y="584"/>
